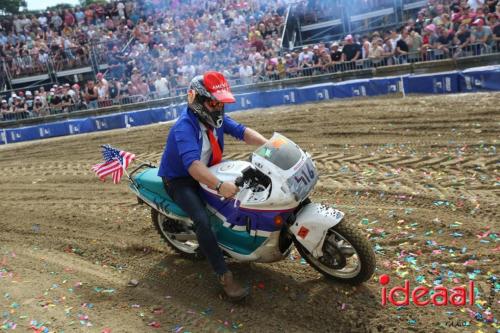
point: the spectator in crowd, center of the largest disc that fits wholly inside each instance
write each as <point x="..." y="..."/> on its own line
<point x="415" y="42"/>
<point x="325" y="60"/>
<point x="130" y="90"/>
<point x="377" y="52"/>
<point x="335" y="53"/>
<point x="66" y="99"/>
<point x="462" y="39"/>
<point x="102" y="90"/>
<point x="291" y="66"/>
<point x="402" y="48"/>
<point x="496" y="31"/>
<point x="259" y="69"/>
<point x="39" y="107"/>
<point x="161" y="86"/>
<point x="365" y="47"/>
<point x="5" y="110"/>
<point x="482" y="35"/>
<point x="101" y="81"/>
<point x="20" y="108"/>
<point x="115" y="88"/>
<point x="29" y="101"/>
<point x="350" y="50"/>
<point x="143" y="88"/>
<point x="429" y="39"/>
<point x="195" y="36"/>
<point x="90" y="94"/>
<point x="280" y="67"/>
<point x="245" y="72"/>
<point x="43" y="95"/>
<point x="444" y="43"/>
<point x="271" y="71"/>
<point x="389" y="52"/>
<point x="316" y="59"/>
<point x="306" y="61"/>
<point x="54" y="101"/>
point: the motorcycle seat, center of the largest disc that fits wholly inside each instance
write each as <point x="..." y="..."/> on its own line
<point x="151" y="187"/>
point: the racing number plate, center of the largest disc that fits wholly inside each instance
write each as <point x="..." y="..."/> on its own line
<point x="303" y="181"/>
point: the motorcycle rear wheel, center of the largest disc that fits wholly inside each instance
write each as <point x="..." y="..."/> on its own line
<point x="188" y="248"/>
<point x="343" y="244"/>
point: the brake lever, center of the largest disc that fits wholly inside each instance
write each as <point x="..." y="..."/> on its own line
<point x="242" y="195"/>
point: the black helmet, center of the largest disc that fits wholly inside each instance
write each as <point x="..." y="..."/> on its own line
<point x="210" y="87"/>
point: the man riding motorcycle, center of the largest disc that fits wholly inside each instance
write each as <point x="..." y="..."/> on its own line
<point x="196" y="141"/>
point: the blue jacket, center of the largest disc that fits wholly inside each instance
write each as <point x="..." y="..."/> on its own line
<point x="184" y="143"/>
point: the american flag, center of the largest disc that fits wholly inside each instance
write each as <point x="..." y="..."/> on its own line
<point x="115" y="161"/>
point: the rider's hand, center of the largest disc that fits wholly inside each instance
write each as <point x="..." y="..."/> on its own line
<point x="228" y="189"/>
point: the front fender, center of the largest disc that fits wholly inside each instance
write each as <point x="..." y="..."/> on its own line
<point x="311" y="225"/>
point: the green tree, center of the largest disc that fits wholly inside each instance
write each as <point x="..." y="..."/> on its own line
<point x="60" y="6"/>
<point x="85" y="3"/>
<point x="11" y="6"/>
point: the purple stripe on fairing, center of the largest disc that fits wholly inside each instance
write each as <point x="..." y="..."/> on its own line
<point x="260" y="220"/>
<point x="275" y="211"/>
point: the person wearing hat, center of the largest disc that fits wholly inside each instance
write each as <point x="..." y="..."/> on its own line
<point x="306" y="60"/>
<point x="39" y="107"/>
<point x="12" y="98"/>
<point x="429" y="39"/>
<point x="351" y="51"/>
<point x="335" y="53"/>
<point x="5" y="110"/>
<point x="29" y="100"/>
<point x="196" y="141"/>
<point x="291" y="66"/>
<point x="482" y="36"/>
<point x="20" y="108"/>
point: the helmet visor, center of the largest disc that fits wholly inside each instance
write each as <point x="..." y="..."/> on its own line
<point x="224" y="96"/>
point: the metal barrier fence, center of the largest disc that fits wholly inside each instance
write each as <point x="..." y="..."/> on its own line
<point x="334" y="67"/>
<point x="342" y="66"/>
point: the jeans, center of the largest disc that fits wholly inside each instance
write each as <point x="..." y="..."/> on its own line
<point x="186" y="193"/>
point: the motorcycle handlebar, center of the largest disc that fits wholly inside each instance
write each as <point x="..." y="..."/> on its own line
<point x="239" y="181"/>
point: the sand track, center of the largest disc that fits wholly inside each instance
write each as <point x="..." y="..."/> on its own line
<point x="418" y="174"/>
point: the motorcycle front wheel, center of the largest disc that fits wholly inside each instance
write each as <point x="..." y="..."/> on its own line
<point x="347" y="255"/>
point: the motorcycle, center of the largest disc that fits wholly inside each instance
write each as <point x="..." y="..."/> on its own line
<point x="270" y="214"/>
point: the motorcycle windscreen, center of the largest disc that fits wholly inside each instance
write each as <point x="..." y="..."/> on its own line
<point x="285" y="154"/>
<point x="280" y="151"/>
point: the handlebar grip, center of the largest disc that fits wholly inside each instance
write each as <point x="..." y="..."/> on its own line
<point x="239" y="181"/>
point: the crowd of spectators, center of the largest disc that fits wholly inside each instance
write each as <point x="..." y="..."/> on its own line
<point x="442" y="29"/>
<point x="152" y="52"/>
<point x="169" y="37"/>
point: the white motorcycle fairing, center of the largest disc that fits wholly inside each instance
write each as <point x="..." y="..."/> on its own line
<point x="311" y="226"/>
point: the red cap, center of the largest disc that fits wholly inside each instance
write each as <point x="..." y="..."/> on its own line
<point x="478" y="22"/>
<point x="216" y="84"/>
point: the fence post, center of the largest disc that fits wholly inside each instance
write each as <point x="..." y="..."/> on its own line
<point x="4" y="135"/>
